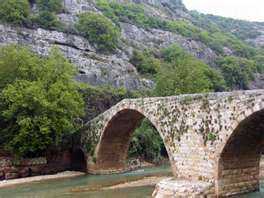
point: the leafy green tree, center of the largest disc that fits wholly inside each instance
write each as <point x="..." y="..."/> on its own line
<point x="145" y="63"/>
<point x="237" y="71"/>
<point x="147" y="143"/>
<point x="39" y="103"/>
<point x="99" y="30"/>
<point x="182" y="73"/>
<point x="14" y="11"/>
<point x="259" y="59"/>
<point x="12" y="60"/>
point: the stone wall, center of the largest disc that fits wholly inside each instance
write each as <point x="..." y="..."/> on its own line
<point x="11" y="168"/>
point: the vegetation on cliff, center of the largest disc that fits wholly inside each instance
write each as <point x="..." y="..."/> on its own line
<point x="99" y="30"/>
<point x="14" y="11"/>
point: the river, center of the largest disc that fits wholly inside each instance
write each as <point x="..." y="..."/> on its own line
<point x="90" y="186"/>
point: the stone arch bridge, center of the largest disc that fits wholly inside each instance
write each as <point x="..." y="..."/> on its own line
<point x="213" y="140"/>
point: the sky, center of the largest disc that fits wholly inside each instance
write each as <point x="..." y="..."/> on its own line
<point x="251" y="10"/>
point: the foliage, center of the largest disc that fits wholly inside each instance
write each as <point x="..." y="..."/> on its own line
<point x="46" y="16"/>
<point x="246" y="29"/>
<point x="100" y="98"/>
<point x="224" y="33"/>
<point x="39" y="102"/>
<point x="128" y="12"/>
<point x="14" y="11"/>
<point x="182" y="73"/>
<point x="237" y="71"/>
<point x="98" y="30"/>
<point x="200" y="28"/>
<point x="50" y="5"/>
<point x="259" y="59"/>
<point x="145" y="63"/>
<point x="147" y="143"/>
<point x="47" y="20"/>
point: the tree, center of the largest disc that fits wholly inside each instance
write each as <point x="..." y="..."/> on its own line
<point x="182" y="73"/>
<point x="147" y="143"/>
<point x="99" y="30"/>
<point x="14" y="11"/>
<point x="237" y="71"/>
<point x="40" y="104"/>
<point x="145" y="62"/>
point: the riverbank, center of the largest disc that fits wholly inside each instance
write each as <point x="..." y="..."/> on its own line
<point x="61" y="175"/>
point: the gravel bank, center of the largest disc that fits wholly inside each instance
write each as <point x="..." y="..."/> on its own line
<point x="65" y="174"/>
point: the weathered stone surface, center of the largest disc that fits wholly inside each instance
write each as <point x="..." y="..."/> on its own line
<point x="157" y="39"/>
<point x="11" y="175"/>
<point x="94" y="68"/>
<point x="172" y="188"/>
<point x="214" y="138"/>
<point x="115" y="69"/>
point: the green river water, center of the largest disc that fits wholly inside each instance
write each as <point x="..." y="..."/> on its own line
<point x="87" y="186"/>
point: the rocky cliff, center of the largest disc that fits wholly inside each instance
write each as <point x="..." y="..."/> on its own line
<point x="115" y="69"/>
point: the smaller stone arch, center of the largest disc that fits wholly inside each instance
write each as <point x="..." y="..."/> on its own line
<point x="239" y="157"/>
<point x="79" y="160"/>
<point x="112" y="148"/>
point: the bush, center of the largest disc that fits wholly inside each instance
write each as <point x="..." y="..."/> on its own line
<point x="14" y="11"/>
<point x="145" y="63"/>
<point x="50" y="5"/>
<point x="99" y="30"/>
<point x="46" y="17"/>
<point x="237" y="71"/>
<point x="182" y="73"/>
<point x="39" y="102"/>
<point x="147" y="143"/>
<point x="47" y="20"/>
<point x="260" y="62"/>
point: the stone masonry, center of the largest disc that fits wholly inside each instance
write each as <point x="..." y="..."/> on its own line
<point x="214" y="138"/>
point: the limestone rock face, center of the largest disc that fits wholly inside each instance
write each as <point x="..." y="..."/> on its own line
<point x="156" y="39"/>
<point x="99" y="69"/>
<point x="94" y="68"/>
<point x="114" y="69"/>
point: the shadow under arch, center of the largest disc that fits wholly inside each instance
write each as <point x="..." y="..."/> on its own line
<point x="78" y="160"/>
<point x="112" y="149"/>
<point x="239" y="161"/>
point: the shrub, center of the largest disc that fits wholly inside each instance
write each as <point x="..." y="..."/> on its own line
<point x="50" y="5"/>
<point x="147" y="143"/>
<point x="47" y="20"/>
<point x="99" y="30"/>
<point x="46" y="17"/>
<point x="39" y="103"/>
<point x="145" y="63"/>
<point x="237" y="71"/>
<point x="14" y="11"/>
<point x="182" y="73"/>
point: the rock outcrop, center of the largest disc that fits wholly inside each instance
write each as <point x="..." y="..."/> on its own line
<point x="114" y="69"/>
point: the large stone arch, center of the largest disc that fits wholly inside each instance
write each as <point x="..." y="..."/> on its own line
<point x="238" y="157"/>
<point x="112" y="148"/>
